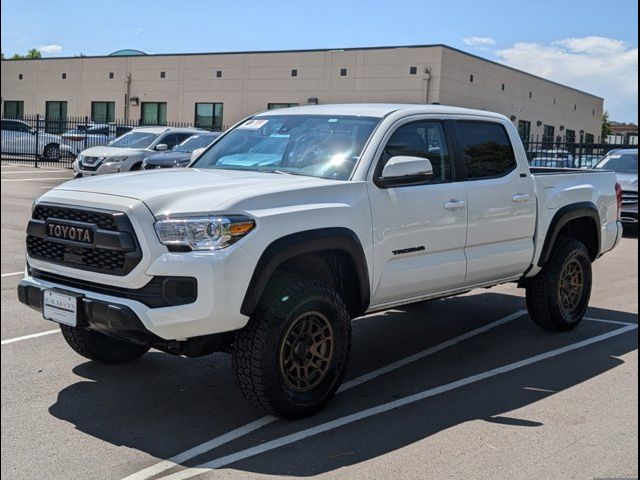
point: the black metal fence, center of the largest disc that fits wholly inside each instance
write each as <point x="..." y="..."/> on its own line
<point x="560" y="153"/>
<point x="37" y="140"/>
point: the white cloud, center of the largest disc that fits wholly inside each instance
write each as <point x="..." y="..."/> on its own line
<point x="603" y="66"/>
<point x="479" y="41"/>
<point x="53" y="48"/>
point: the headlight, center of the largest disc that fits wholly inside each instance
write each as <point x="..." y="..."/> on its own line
<point x="208" y="233"/>
<point x="80" y="158"/>
<point x="115" y="159"/>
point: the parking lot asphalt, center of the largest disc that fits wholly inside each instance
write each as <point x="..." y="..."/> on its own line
<point x="465" y="387"/>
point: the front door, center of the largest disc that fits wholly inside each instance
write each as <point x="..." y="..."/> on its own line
<point x="419" y="230"/>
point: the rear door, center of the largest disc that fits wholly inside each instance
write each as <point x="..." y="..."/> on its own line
<point x="501" y="203"/>
<point x="419" y="230"/>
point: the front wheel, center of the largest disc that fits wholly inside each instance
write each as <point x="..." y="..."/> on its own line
<point x="102" y="348"/>
<point x="558" y="297"/>
<point x="291" y="357"/>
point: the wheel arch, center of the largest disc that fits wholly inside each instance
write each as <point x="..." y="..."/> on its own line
<point x="312" y="253"/>
<point x="580" y="221"/>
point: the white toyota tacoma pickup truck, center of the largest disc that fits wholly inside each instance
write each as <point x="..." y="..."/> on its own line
<point x="296" y="221"/>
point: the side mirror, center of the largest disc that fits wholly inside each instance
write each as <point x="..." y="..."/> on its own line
<point x="162" y="147"/>
<point x="403" y="170"/>
<point x="196" y="153"/>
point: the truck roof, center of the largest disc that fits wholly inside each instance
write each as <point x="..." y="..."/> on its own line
<point x="377" y="110"/>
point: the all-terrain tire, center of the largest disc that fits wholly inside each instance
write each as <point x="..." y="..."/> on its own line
<point x="548" y="291"/>
<point x="101" y="348"/>
<point x="265" y="358"/>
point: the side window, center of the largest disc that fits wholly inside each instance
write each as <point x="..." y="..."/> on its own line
<point x="486" y="149"/>
<point x="181" y="137"/>
<point x="421" y="139"/>
<point x="10" y="126"/>
<point x="170" y="140"/>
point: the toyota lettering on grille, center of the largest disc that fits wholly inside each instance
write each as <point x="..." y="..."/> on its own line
<point x="71" y="233"/>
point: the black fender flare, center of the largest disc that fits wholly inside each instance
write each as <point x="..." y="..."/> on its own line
<point x="563" y="216"/>
<point x="308" y="241"/>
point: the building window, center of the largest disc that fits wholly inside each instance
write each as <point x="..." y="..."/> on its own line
<point x="64" y="76"/>
<point x="548" y="133"/>
<point x="593" y="112"/>
<point x="55" y="117"/>
<point x="153" y="113"/>
<point x="218" y="73"/>
<point x="524" y="129"/>
<point x="13" y="109"/>
<point x="470" y="78"/>
<point x="294" y="73"/>
<point x="575" y="106"/>
<point x="589" y="138"/>
<point x="163" y="74"/>
<point x="111" y="75"/>
<point x="103" y="112"/>
<point x="486" y="149"/>
<point x="554" y="101"/>
<point x="20" y="76"/>
<point x="502" y="87"/>
<point x="413" y="70"/>
<point x="273" y="106"/>
<point x="570" y="136"/>
<point x="530" y="94"/>
<point x="343" y="72"/>
<point x="209" y="116"/>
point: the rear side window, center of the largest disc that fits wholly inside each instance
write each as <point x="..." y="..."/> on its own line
<point x="486" y="149"/>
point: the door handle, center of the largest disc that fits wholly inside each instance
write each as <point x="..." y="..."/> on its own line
<point x="453" y="205"/>
<point x="521" y="197"/>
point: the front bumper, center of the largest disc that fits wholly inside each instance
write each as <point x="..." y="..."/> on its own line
<point x="221" y="279"/>
<point x="107" y="317"/>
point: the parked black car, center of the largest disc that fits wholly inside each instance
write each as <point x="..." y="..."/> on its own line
<point x="181" y="154"/>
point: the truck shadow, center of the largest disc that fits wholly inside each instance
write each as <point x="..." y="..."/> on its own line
<point x="163" y="405"/>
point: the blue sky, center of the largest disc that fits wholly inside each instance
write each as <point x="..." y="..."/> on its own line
<point x="588" y="44"/>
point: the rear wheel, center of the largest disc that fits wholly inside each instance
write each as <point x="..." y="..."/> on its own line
<point x="291" y="357"/>
<point x="102" y="348"/>
<point x="51" y="152"/>
<point x="558" y="297"/>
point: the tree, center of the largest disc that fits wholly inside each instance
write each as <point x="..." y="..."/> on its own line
<point x="606" y="126"/>
<point x="33" y="53"/>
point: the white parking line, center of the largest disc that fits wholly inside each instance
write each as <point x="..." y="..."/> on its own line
<point x="27" y="337"/>
<point x="34" y="179"/>
<point x="386" y="407"/>
<point x="243" y="430"/>
<point x="21" y="272"/>
<point x="33" y="171"/>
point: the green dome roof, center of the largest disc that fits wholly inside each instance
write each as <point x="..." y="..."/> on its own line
<point x="127" y="52"/>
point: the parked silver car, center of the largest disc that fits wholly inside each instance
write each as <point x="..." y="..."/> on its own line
<point x="128" y="151"/>
<point x="19" y="138"/>
<point x="88" y="135"/>
<point x="625" y="163"/>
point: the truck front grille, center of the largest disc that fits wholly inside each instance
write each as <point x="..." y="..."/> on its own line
<point x="103" y="256"/>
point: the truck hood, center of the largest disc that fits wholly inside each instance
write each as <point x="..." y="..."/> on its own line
<point x="195" y="191"/>
<point x="113" y="152"/>
<point x="628" y="181"/>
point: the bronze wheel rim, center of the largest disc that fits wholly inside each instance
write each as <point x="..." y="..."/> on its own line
<point x="571" y="286"/>
<point x="306" y="351"/>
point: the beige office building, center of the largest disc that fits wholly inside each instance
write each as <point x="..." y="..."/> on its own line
<point x="218" y="89"/>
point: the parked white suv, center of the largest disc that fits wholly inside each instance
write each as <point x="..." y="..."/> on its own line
<point x="88" y="135"/>
<point x="295" y="222"/>
<point x="128" y="151"/>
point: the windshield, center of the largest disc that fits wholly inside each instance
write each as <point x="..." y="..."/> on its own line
<point x="313" y="145"/>
<point x="135" y="140"/>
<point x="197" y="141"/>
<point x="620" y="162"/>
